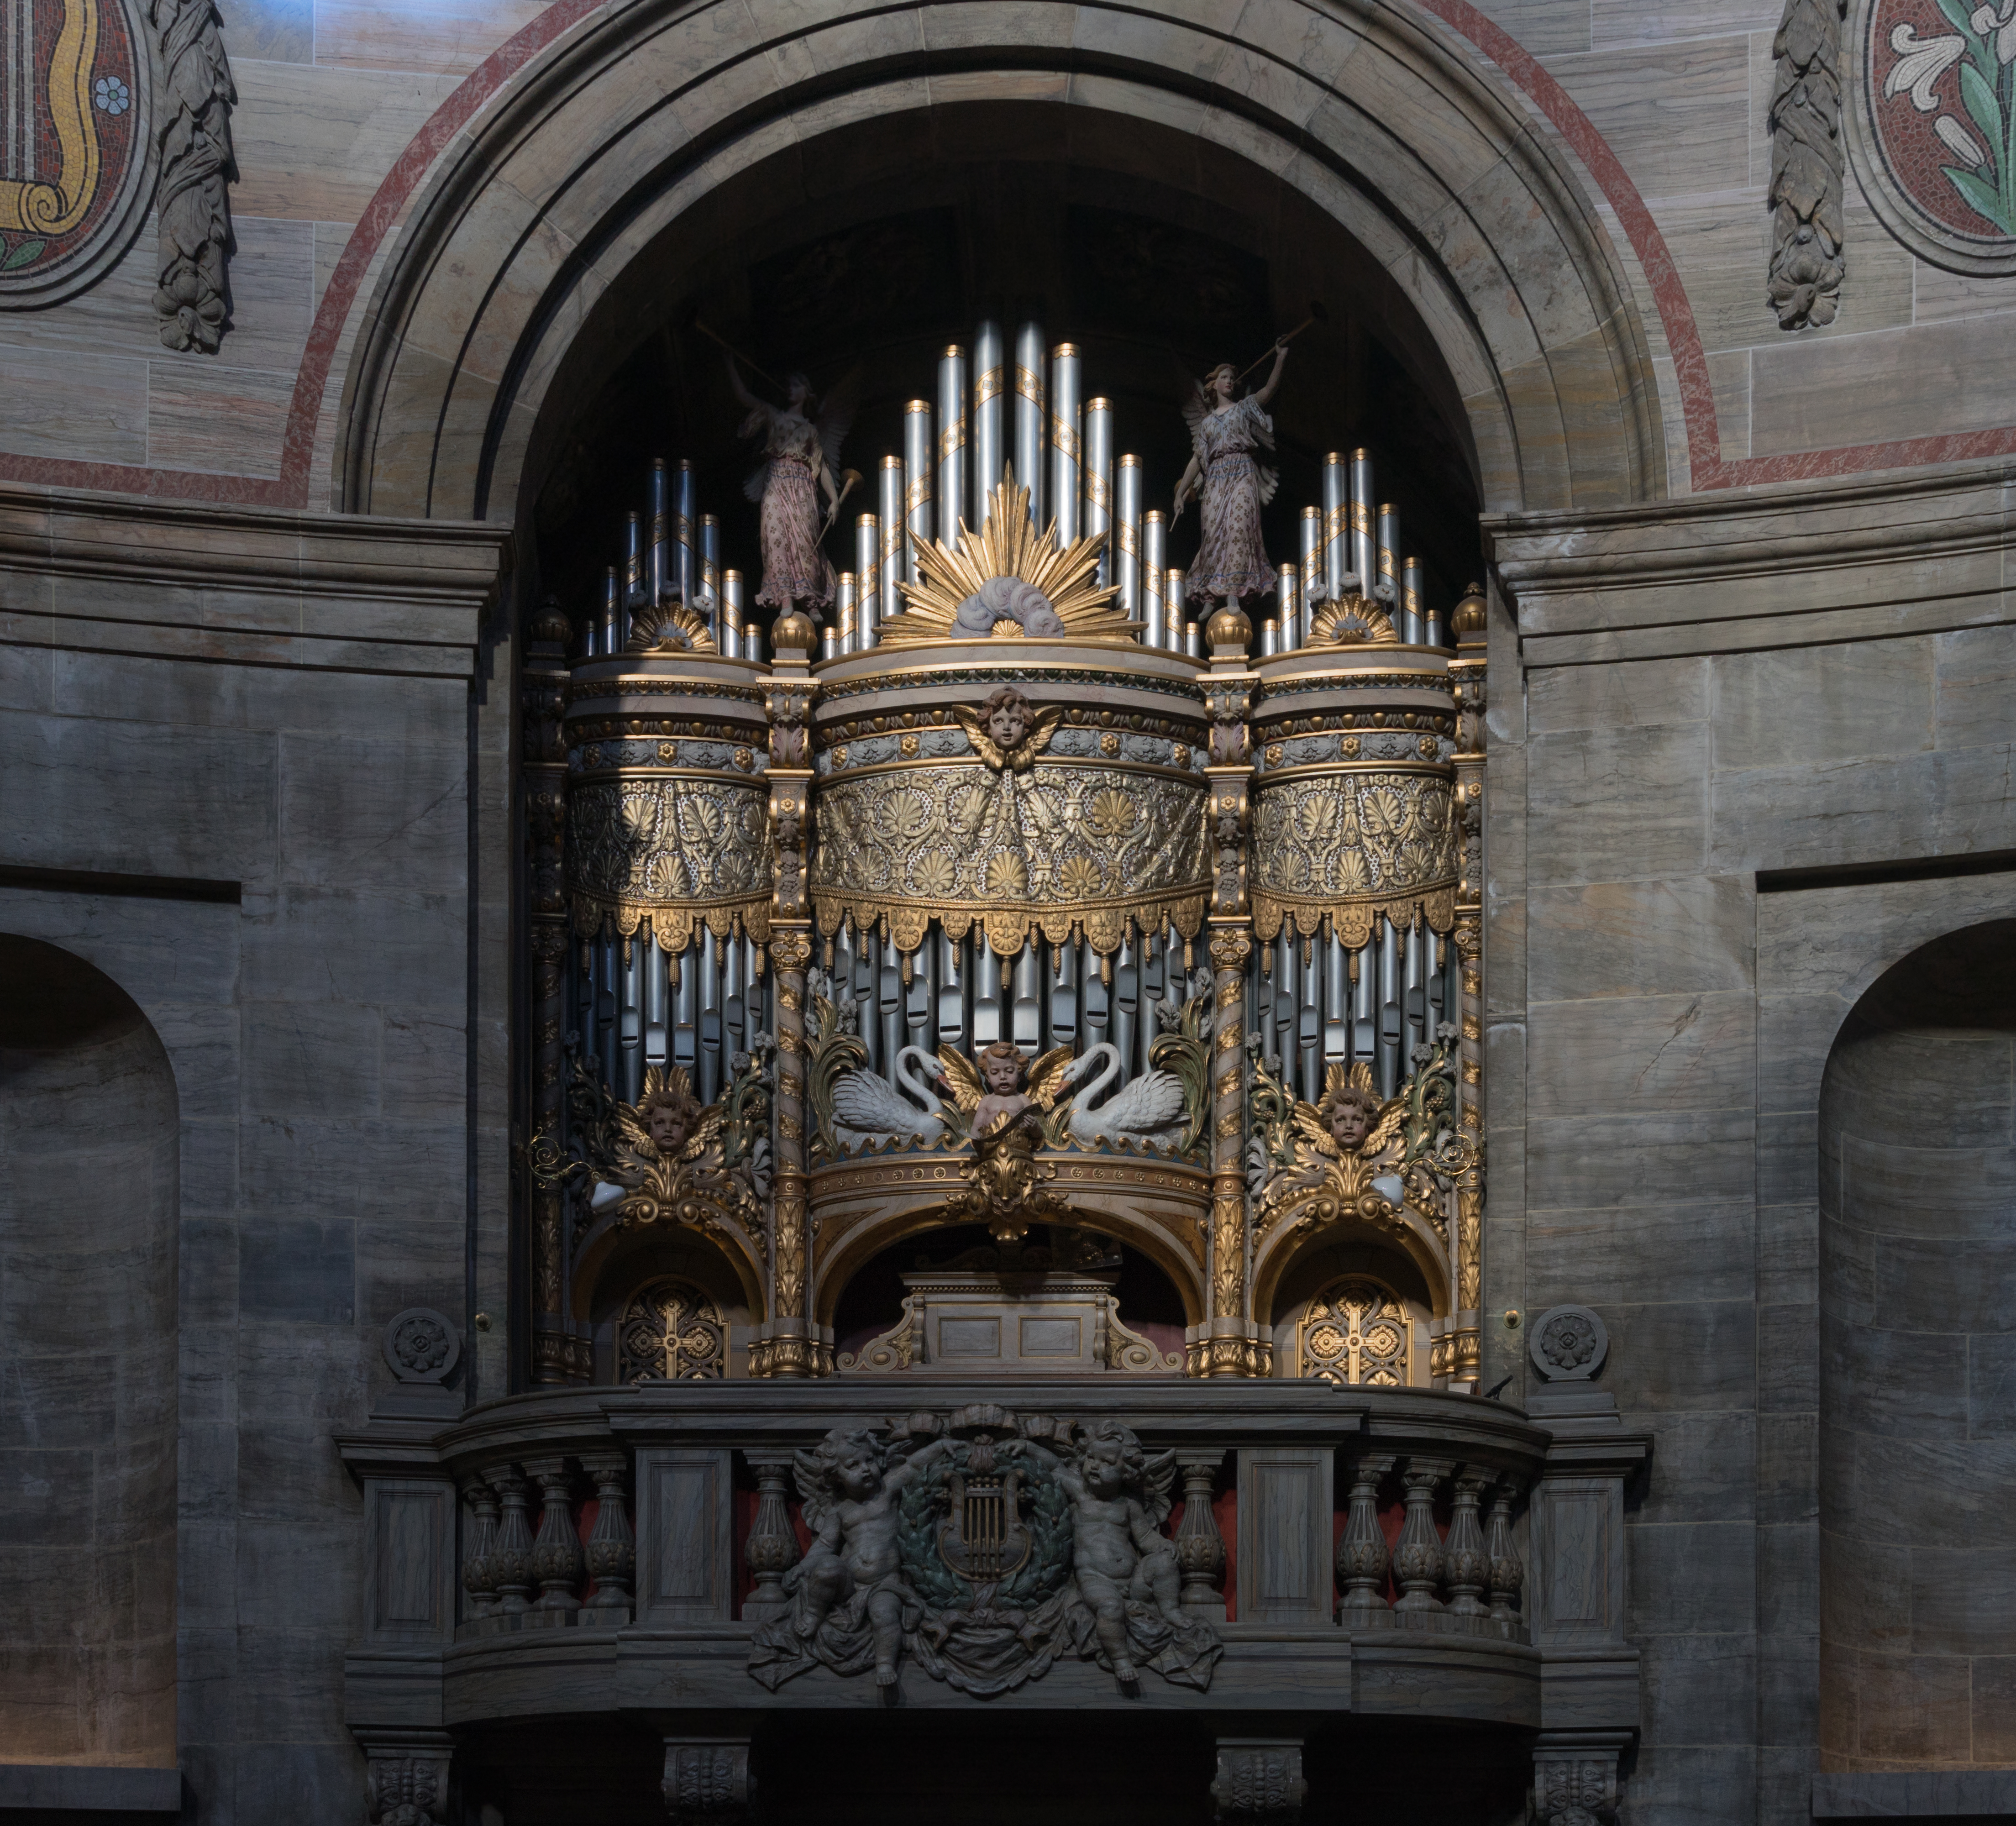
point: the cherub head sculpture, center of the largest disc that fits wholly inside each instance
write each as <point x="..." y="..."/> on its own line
<point x="1111" y="1460"/>
<point x="1002" y="1068"/>
<point x="1350" y="1111"/>
<point x="670" y="1116"/>
<point x="1008" y="714"/>
<point x="847" y="1464"/>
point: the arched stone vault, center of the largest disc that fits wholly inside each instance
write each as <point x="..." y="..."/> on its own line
<point x="522" y="242"/>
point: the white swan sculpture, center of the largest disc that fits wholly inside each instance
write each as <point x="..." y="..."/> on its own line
<point x="869" y="1110"/>
<point x="1141" y="1111"/>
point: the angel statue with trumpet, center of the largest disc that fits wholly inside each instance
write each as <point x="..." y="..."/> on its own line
<point x="1230" y="483"/>
<point x="800" y="454"/>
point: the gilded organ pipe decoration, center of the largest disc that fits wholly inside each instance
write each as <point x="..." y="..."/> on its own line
<point x="985" y="1545"/>
<point x="1011" y="909"/>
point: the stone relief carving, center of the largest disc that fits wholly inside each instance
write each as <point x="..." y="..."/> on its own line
<point x="1568" y="1344"/>
<point x="706" y="1781"/>
<point x="1806" y="165"/>
<point x="1259" y="1782"/>
<point x="679" y="853"/>
<point x="984" y="1546"/>
<point x="422" y="1346"/>
<point x="191" y="290"/>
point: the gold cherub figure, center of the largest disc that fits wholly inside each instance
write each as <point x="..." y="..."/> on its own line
<point x="1007" y="1099"/>
<point x="1009" y="732"/>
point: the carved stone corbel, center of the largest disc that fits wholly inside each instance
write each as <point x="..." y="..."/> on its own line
<point x="1575" y="1777"/>
<point x="406" y="1776"/>
<point x="706" y="1781"/>
<point x="1259" y="1782"/>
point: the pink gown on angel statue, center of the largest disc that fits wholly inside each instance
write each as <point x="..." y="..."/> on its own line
<point x="1231" y="560"/>
<point x="794" y="568"/>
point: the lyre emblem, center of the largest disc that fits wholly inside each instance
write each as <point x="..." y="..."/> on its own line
<point x="983" y="1538"/>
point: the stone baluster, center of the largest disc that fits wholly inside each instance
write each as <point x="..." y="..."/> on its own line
<point x="479" y="1575"/>
<point x="1468" y="1566"/>
<point x="1200" y="1546"/>
<point x="612" y="1544"/>
<point x="1417" y="1556"/>
<point x="771" y="1549"/>
<point x="557" y="1556"/>
<point x="1508" y="1573"/>
<point x="1362" y="1556"/>
<point x="511" y="1558"/>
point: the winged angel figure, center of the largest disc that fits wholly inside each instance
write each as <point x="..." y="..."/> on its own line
<point x="1231" y="484"/>
<point x="799" y="457"/>
<point x="1355" y="1154"/>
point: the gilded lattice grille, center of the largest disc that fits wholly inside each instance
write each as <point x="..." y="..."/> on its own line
<point x="1356" y="1332"/>
<point x="671" y="1332"/>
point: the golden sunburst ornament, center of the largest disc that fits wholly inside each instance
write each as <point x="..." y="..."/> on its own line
<point x="1353" y="621"/>
<point x="1008" y="576"/>
<point x="673" y="628"/>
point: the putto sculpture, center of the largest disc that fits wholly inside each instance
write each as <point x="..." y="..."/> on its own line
<point x="985" y="1545"/>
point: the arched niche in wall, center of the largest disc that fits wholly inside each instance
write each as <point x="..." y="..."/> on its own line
<point x="1328" y="1280"/>
<point x="1917" y="1350"/>
<point x="89" y="1166"/>
<point x="673" y="1281"/>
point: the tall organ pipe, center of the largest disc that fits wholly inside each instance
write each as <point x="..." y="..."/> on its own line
<point x="1175" y="608"/>
<point x="611" y="642"/>
<point x="867" y="569"/>
<point x="848" y="629"/>
<point x="1389" y="560"/>
<point x="1364" y="551"/>
<point x="1067" y="452"/>
<point x="686" y="531"/>
<point x="660" y="582"/>
<point x="1297" y="634"/>
<point x="1032" y="417"/>
<point x="1336" y="523"/>
<point x="633" y="573"/>
<point x="709" y="570"/>
<point x="1155" y="558"/>
<point x="989" y="382"/>
<point x="1098" y="516"/>
<point x="919" y="464"/>
<point x="889" y="513"/>
<point x="732" y="636"/>
<point x="1126" y="534"/>
<point x="1412" y="613"/>
<point x="951" y="442"/>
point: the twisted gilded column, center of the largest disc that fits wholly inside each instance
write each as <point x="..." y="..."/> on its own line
<point x="1231" y="1345"/>
<point x="1466" y="676"/>
<point x="789" y="1346"/>
<point x="543" y="690"/>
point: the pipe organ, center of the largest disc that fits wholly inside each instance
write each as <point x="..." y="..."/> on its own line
<point x="1018" y="787"/>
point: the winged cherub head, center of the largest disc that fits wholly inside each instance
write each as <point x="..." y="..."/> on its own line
<point x="1002" y="1068"/>
<point x="1350" y="1111"/>
<point x="669" y="1115"/>
<point x="1009" y="715"/>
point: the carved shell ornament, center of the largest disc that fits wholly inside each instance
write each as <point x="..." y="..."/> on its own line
<point x="1008" y="581"/>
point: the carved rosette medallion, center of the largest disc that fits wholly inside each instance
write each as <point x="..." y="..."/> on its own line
<point x="1062" y="848"/>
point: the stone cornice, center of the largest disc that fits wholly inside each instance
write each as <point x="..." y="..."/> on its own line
<point x="1791" y="567"/>
<point x="247" y="586"/>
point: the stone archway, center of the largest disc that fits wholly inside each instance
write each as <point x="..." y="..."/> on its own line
<point x="515" y="262"/>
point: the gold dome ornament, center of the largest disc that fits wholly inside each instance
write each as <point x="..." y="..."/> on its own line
<point x="1229" y="627"/>
<point x="1468" y="617"/>
<point x="794" y="633"/>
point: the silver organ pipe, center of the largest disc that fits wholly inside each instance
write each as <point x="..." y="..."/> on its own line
<point x="1391" y="1034"/>
<point x="989" y="382"/>
<point x="1067" y="450"/>
<point x="1389" y="562"/>
<point x="889" y="1012"/>
<point x="752" y="632"/>
<point x="1337" y="524"/>
<point x="1154" y="561"/>
<point x="660" y="582"/>
<point x="952" y="441"/>
<point x="988" y="1023"/>
<point x="889" y="513"/>
<point x="1413" y="616"/>
<point x="918" y="467"/>
<point x="867" y="571"/>
<point x="612" y="614"/>
<point x="1026" y="1011"/>
<point x="1288" y="597"/>
<point x="830" y="647"/>
<point x="954" y="981"/>
<point x="1098" y="516"/>
<point x="732" y="636"/>
<point x="1032" y="418"/>
<point x="1270" y="638"/>
<point x="1193" y="639"/>
<point x="1175" y="608"/>
<point x="1364" y="551"/>
<point x="685" y="1015"/>
<point x="1311" y="554"/>
<point x="1126" y="534"/>
<point x="847" y="630"/>
<point x="709" y="570"/>
<point x="686" y="533"/>
<point x="633" y="574"/>
<point x="657" y="1005"/>
<point x="709" y="1075"/>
